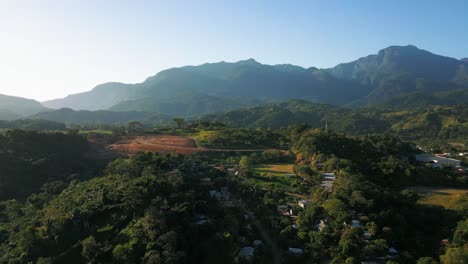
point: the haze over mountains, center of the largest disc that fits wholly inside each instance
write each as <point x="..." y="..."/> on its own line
<point x="395" y="72"/>
<point x="12" y="107"/>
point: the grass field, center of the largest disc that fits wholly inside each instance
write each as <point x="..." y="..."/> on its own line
<point x="273" y="176"/>
<point x="275" y="169"/>
<point x="454" y="199"/>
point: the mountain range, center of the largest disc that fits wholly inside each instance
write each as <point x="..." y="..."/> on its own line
<point x="393" y="73"/>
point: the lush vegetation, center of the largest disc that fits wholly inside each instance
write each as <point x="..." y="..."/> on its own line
<point x="438" y="122"/>
<point x="32" y="124"/>
<point x="59" y="204"/>
<point x="241" y="138"/>
<point x="31" y="159"/>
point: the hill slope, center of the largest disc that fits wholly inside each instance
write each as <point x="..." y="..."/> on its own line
<point x="434" y="122"/>
<point x="12" y="107"/>
<point x="83" y="117"/>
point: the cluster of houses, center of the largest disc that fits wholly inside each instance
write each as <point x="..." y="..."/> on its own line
<point x="223" y="195"/>
<point x="246" y="254"/>
<point x="288" y="211"/>
<point x="367" y="236"/>
<point x="328" y="178"/>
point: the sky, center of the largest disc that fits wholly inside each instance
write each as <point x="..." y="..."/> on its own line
<point x="49" y="49"/>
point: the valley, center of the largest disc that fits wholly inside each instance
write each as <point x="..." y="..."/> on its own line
<point x="258" y="163"/>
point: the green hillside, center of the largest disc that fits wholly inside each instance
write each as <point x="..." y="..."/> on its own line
<point x="436" y="121"/>
<point x="12" y="107"/>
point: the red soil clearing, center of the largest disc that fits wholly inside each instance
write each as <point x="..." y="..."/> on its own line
<point x="156" y="143"/>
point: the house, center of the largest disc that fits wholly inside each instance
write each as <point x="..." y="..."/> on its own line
<point x="246" y="254"/>
<point x="437" y="161"/>
<point x="302" y="203"/>
<point x="295" y="251"/>
<point x="444" y="243"/>
<point x="327" y="185"/>
<point x="257" y="243"/>
<point x="282" y="209"/>
<point x="214" y="194"/>
<point x="229" y="204"/>
<point x="392" y="251"/>
<point x="206" y="181"/>
<point x="328" y="176"/>
<point x="200" y="220"/>
<point x="355" y="224"/>
<point x="321" y="225"/>
<point x="367" y="235"/>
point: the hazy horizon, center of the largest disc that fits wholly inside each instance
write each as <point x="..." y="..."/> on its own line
<point x="51" y="49"/>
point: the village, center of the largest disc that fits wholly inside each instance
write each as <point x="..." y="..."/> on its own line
<point x="255" y="236"/>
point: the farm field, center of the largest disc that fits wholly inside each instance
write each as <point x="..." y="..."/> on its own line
<point x="449" y="198"/>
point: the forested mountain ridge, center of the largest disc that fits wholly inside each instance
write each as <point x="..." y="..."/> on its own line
<point x="12" y="107"/>
<point x="435" y="121"/>
<point x="394" y="71"/>
<point x="217" y="81"/>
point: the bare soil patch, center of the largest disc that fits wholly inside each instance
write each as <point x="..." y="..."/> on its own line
<point x="129" y="145"/>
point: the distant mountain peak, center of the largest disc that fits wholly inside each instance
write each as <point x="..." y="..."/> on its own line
<point x="464" y="59"/>
<point x="402" y="50"/>
<point x="249" y="61"/>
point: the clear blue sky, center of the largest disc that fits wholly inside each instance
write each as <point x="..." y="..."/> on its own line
<point x="49" y="49"/>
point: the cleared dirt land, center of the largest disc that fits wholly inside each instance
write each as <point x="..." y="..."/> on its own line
<point x="163" y="144"/>
<point x="450" y="198"/>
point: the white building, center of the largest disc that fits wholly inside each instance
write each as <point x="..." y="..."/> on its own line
<point x="437" y="161"/>
<point x="302" y="203"/>
<point x="295" y="251"/>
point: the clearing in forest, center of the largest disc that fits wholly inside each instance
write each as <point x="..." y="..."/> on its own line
<point x="275" y="169"/>
<point x="449" y="198"/>
<point x="129" y="145"/>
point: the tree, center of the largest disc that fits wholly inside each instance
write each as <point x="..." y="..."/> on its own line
<point x="180" y="122"/>
<point x="89" y="248"/>
<point x="351" y="260"/>
<point x="135" y="127"/>
<point x="335" y="208"/>
<point x="457" y="255"/>
<point x="426" y="260"/>
<point x="460" y="236"/>
<point x="152" y="257"/>
<point x="123" y="253"/>
<point x="245" y="163"/>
